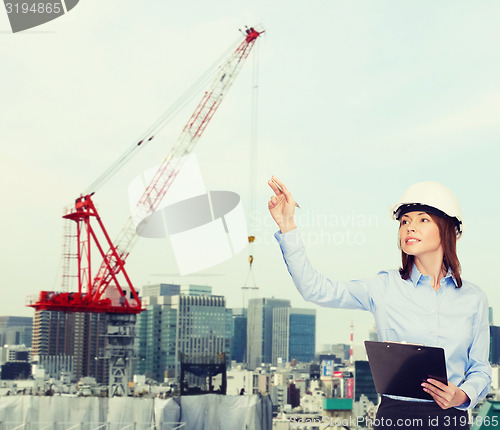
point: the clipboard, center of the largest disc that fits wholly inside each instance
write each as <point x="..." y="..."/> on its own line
<point x="400" y="368"/>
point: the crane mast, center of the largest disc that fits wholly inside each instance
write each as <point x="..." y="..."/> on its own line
<point x="111" y="290"/>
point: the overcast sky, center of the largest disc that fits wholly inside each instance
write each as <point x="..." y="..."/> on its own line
<point x="357" y="100"/>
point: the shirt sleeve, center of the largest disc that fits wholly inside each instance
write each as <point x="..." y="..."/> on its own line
<point x="477" y="381"/>
<point x="315" y="287"/>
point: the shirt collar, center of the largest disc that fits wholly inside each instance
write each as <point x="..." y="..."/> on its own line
<point x="416" y="276"/>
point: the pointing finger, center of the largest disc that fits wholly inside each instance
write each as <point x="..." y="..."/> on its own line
<point x="275" y="188"/>
<point x="278" y="182"/>
<point x="283" y="189"/>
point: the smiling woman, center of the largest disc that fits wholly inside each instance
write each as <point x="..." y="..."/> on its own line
<point x="425" y="302"/>
<point x="419" y="235"/>
<point x="433" y="225"/>
<point x="436" y="233"/>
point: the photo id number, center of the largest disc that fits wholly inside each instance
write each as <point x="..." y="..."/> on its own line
<point x="33" y="8"/>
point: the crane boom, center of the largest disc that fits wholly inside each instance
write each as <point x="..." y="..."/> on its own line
<point x="94" y="295"/>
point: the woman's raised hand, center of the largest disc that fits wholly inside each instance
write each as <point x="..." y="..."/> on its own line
<point x="281" y="205"/>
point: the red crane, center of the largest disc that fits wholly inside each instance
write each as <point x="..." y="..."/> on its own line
<point x="111" y="290"/>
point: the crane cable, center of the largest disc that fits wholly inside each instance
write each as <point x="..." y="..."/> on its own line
<point x="162" y="121"/>
<point x="253" y="168"/>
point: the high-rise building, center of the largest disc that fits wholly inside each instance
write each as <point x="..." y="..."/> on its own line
<point x="73" y="334"/>
<point x="229" y="336"/>
<point x="494" y="340"/>
<point x="156" y="332"/>
<point x="342" y="351"/>
<point x="201" y="327"/>
<point x="363" y="382"/>
<point x="157" y="290"/>
<point x="494" y="344"/>
<point x="184" y="321"/>
<point x="260" y="329"/>
<point x="16" y="330"/>
<point x="156" y="339"/>
<point x="196" y="290"/>
<point x="239" y="344"/>
<point x="294" y="335"/>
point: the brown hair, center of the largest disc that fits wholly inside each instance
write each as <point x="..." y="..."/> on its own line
<point x="448" y="235"/>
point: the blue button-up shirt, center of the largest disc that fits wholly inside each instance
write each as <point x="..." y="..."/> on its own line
<point x="455" y="319"/>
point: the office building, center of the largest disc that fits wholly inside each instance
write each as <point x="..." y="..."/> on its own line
<point x="229" y="335"/>
<point x="16" y="330"/>
<point x="156" y="334"/>
<point x="201" y="327"/>
<point x="158" y="290"/>
<point x="260" y="329"/>
<point x="182" y="321"/>
<point x="72" y="334"/>
<point x="196" y="290"/>
<point x="14" y="353"/>
<point x="363" y="382"/>
<point x="294" y="335"/>
<point x="339" y="352"/>
<point x="239" y="344"/>
<point x="494" y="340"/>
<point x="494" y="344"/>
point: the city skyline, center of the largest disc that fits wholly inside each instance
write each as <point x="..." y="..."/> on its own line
<point x="356" y="102"/>
<point x="154" y="290"/>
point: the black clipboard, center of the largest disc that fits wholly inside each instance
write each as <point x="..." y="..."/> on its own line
<point x="400" y="368"/>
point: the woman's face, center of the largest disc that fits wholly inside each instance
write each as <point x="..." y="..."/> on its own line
<point x="419" y="234"/>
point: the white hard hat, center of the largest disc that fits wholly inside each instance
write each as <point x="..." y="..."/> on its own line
<point x="430" y="197"/>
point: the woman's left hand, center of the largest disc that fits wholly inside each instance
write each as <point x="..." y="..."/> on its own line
<point x="446" y="396"/>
